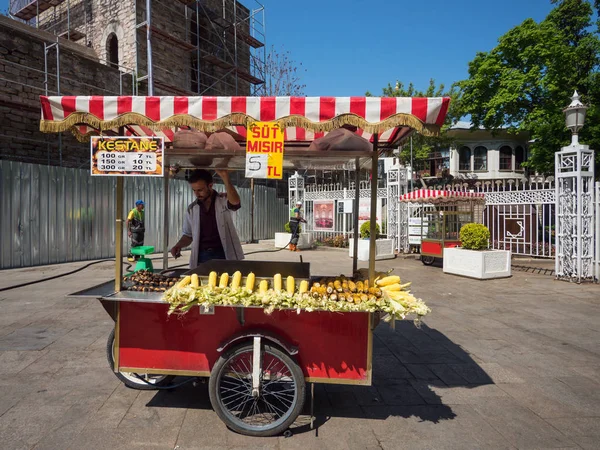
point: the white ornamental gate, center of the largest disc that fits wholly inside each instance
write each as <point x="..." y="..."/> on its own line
<point x="522" y="220"/>
<point x="519" y="215"/>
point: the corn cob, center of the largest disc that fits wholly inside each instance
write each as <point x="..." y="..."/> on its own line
<point x="303" y="287"/>
<point x="212" y="279"/>
<point x="333" y="297"/>
<point x="263" y="286"/>
<point x="237" y="280"/>
<point x="375" y="291"/>
<point x="329" y="289"/>
<point x="184" y="282"/>
<point x="291" y="285"/>
<point x="250" y="281"/>
<point x="392" y="287"/>
<point x="365" y="285"/>
<point x="277" y="282"/>
<point x="337" y="285"/>
<point x="224" y="281"/>
<point x="392" y="279"/>
<point x="195" y="282"/>
<point x="345" y="285"/>
<point x="352" y="286"/>
<point x="364" y="297"/>
<point x="359" y="286"/>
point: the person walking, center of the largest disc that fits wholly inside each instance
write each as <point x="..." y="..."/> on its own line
<point x="208" y="223"/>
<point x="136" y="228"/>
<point x="295" y="220"/>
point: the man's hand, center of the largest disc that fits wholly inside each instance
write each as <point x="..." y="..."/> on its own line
<point x="224" y="174"/>
<point x="176" y="252"/>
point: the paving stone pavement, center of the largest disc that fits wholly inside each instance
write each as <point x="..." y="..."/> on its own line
<point x="501" y="364"/>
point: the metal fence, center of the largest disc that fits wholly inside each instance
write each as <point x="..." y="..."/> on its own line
<point x="341" y="204"/>
<point x="54" y="214"/>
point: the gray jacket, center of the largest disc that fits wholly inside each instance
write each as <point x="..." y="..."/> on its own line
<point x="227" y="232"/>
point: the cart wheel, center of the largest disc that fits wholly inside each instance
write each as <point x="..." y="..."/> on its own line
<point x="279" y="399"/>
<point x="141" y="381"/>
<point x="427" y="260"/>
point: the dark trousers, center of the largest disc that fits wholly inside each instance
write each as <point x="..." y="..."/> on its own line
<point x="207" y="255"/>
<point x="137" y="240"/>
<point x="294" y="227"/>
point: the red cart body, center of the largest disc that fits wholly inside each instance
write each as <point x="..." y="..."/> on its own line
<point x="332" y="347"/>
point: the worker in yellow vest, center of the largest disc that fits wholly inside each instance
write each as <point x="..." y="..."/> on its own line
<point x="135" y="227"/>
<point x="295" y="220"/>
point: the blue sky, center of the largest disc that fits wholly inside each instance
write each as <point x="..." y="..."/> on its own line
<point x="349" y="47"/>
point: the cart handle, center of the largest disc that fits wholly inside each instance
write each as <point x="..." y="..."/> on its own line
<point x="250" y="334"/>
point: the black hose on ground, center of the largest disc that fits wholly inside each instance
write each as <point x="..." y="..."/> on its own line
<point x="127" y="267"/>
<point x="41" y="280"/>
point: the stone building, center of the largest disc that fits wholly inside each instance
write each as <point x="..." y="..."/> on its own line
<point x="99" y="47"/>
<point x="204" y="48"/>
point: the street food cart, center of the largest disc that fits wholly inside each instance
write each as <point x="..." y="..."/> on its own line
<point x="442" y="215"/>
<point x="257" y="361"/>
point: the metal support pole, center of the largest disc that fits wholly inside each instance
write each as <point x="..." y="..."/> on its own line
<point x="412" y="170"/>
<point x="149" y="46"/>
<point x="198" y="48"/>
<point x="119" y="235"/>
<point x="235" y="49"/>
<point x="165" y="264"/>
<point x="355" y="217"/>
<point x="373" y="218"/>
<point x="597" y="233"/>
<point x="58" y="93"/>
<point x="251" y="210"/>
<point x="68" y="20"/>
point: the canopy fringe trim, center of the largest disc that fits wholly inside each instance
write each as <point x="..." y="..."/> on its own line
<point x="236" y="119"/>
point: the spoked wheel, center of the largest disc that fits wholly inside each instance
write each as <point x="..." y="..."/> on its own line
<point x="141" y="381"/>
<point x="427" y="260"/>
<point x="264" y="408"/>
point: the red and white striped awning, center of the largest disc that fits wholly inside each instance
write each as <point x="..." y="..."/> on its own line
<point x="304" y="118"/>
<point x="441" y="196"/>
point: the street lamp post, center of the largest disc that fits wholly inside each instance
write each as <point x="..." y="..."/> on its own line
<point x="575" y="117"/>
<point x="574" y="170"/>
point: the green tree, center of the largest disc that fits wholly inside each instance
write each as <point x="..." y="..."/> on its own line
<point x="525" y="82"/>
<point x="424" y="145"/>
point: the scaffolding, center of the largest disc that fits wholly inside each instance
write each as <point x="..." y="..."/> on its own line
<point x="183" y="47"/>
<point x="222" y="40"/>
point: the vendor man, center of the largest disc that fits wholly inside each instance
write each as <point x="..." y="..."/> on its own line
<point x="208" y="223"/>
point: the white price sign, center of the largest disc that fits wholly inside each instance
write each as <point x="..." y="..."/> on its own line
<point x="131" y="156"/>
<point x="126" y="162"/>
<point x="257" y="165"/>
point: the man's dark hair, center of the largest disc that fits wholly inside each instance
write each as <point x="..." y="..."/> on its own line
<point x="200" y="174"/>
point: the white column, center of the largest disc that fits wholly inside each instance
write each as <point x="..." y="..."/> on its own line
<point x="574" y="212"/>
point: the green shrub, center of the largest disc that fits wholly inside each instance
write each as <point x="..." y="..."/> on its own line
<point x="474" y="236"/>
<point x="365" y="230"/>
<point x="288" y="229"/>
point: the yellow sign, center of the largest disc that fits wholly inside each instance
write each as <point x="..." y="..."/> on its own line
<point x="264" y="151"/>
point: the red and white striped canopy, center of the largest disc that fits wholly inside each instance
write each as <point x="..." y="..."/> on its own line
<point x="304" y="118"/>
<point x="441" y="196"/>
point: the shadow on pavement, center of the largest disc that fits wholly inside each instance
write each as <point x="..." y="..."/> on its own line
<point x="408" y="364"/>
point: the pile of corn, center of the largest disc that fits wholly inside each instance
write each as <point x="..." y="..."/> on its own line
<point x="387" y="294"/>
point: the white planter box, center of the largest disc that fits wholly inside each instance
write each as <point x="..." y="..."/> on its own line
<point x="305" y="240"/>
<point x="479" y="264"/>
<point x="384" y="249"/>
